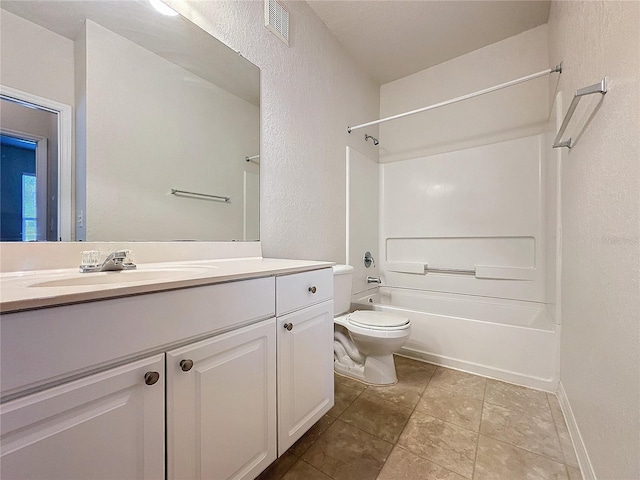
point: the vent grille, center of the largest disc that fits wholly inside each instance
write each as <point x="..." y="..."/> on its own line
<point x="276" y="19"/>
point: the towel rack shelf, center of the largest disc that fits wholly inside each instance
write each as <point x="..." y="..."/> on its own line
<point x="600" y="87"/>
<point x="175" y="191"/>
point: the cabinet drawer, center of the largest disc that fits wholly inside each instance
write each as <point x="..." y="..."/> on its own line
<point x="303" y="289"/>
<point x="35" y="345"/>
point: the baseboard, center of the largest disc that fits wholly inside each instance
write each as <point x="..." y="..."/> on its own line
<point x="581" y="450"/>
<point x="545" y="384"/>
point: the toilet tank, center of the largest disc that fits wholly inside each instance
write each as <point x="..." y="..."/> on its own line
<point x="342" y="277"/>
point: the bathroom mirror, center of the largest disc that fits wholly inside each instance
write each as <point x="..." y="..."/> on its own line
<point x="166" y="121"/>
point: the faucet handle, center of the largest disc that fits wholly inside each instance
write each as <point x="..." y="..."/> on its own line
<point x="90" y="258"/>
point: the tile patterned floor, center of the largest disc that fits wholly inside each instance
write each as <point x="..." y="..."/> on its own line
<point x="434" y="424"/>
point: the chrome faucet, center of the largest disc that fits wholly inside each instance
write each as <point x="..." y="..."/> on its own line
<point x="116" y="261"/>
<point x="374" y="280"/>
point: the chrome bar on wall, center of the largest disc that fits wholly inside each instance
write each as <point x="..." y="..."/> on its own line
<point x="423" y="268"/>
<point x="557" y="68"/>
<point x="455" y="271"/>
<point x="203" y="195"/>
<point x="600" y="87"/>
<point x="253" y="159"/>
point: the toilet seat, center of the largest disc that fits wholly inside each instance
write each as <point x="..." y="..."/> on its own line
<point x="375" y="320"/>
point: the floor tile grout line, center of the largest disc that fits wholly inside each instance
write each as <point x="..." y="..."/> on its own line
<point x="475" y="458"/>
<point x="417" y="454"/>
<point x="525" y="449"/>
<point x="478" y="433"/>
<point x="406" y="449"/>
<point x="555" y="424"/>
<point x="369" y="433"/>
<point x="518" y="412"/>
<point x="555" y="427"/>
<point x="396" y="444"/>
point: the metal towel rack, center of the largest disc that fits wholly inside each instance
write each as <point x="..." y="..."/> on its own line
<point x="204" y="195"/>
<point x="253" y="159"/>
<point x="600" y="87"/>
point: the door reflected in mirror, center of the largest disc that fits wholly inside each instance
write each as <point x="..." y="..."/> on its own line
<point x="159" y="105"/>
<point x="29" y="182"/>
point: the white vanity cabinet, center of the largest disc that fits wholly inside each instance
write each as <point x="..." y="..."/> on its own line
<point x="221" y="405"/>
<point x="305" y="355"/>
<point x="207" y="382"/>
<point x="78" y="429"/>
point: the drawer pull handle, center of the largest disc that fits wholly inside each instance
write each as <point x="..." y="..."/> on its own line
<point x="186" y="365"/>
<point x="288" y="326"/>
<point x="313" y="289"/>
<point x="151" y="378"/>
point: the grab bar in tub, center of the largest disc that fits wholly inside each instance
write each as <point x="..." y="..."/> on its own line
<point x="486" y="272"/>
<point x="422" y="268"/>
<point x="457" y="271"/>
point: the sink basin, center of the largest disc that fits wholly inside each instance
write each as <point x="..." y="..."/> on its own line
<point x="124" y="276"/>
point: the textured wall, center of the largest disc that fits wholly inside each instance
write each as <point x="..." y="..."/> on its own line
<point x="310" y="92"/>
<point x="600" y="357"/>
<point x="513" y="112"/>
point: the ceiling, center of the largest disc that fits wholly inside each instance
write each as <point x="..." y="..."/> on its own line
<point x="391" y="39"/>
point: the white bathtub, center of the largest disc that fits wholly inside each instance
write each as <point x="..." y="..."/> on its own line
<point x="505" y="339"/>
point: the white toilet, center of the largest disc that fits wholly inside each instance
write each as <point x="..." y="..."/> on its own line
<point x="367" y="353"/>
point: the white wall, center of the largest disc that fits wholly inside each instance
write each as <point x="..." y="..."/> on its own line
<point x="42" y="66"/>
<point x="600" y="354"/>
<point x="362" y="217"/>
<point x="200" y="136"/>
<point x="310" y="92"/>
<point x="509" y="113"/>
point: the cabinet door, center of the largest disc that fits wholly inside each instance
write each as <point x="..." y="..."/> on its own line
<point x="221" y="405"/>
<point x="109" y="425"/>
<point x="305" y="371"/>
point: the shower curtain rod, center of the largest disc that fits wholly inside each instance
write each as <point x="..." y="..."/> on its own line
<point x="557" y="68"/>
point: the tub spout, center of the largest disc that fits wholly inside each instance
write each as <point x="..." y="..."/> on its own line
<point x="374" y="280"/>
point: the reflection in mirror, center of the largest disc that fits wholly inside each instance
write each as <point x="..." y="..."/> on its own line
<point x="159" y="105"/>
<point x="29" y="179"/>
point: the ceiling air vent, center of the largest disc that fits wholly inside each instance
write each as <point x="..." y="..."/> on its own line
<point x="276" y="19"/>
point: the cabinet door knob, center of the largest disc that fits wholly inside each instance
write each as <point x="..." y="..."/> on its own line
<point x="186" y="365"/>
<point x="313" y="289"/>
<point x="288" y="326"/>
<point x="151" y="378"/>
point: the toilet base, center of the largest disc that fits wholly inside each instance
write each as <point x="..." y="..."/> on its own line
<point x="376" y="370"/>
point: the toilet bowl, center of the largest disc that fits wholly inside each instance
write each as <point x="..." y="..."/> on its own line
<point x="365" y="340"/>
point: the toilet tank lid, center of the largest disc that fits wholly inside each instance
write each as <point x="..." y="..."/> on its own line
<point x="342" y="269"/>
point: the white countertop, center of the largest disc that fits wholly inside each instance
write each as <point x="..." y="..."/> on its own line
<point x="47" y="288"/>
